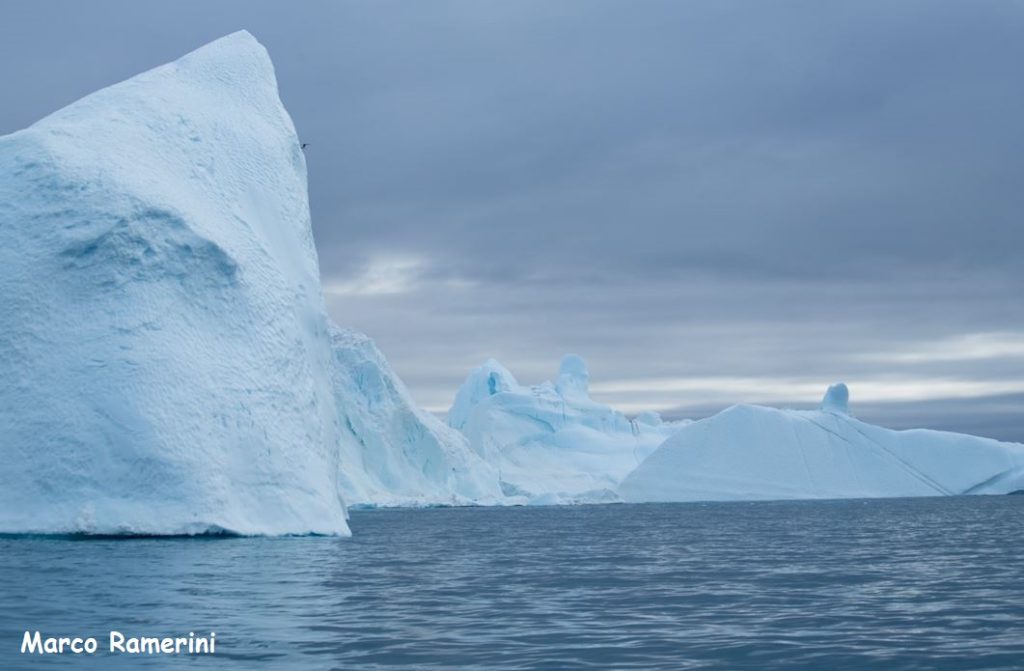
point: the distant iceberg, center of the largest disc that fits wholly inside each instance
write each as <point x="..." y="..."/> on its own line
<point x="751" y="452"/>
<point x="164" y="345"/>
<point x="551" y="443"/>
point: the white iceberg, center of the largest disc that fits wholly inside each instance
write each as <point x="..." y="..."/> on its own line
<point x="551" y="443"/>
<point x="392" y="452"/>
<point x="750" y="452"/>
<point x="164" y="345"/>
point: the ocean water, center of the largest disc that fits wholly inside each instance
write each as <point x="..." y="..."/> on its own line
<point x="880" y="584"/>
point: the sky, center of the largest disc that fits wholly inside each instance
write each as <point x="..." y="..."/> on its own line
<point x="713" y="202"/>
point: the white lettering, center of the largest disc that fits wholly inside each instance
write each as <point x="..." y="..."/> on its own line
<point x="117" y="642"/>
<point x="35" y="643"/>
<point x="31" y="644"/>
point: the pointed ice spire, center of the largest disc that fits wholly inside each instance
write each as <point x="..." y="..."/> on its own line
<point x="837" y="399"/>
<point x="573" y="377"/>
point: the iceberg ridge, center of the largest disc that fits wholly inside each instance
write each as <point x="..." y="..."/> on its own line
<point x="751" y="452"/>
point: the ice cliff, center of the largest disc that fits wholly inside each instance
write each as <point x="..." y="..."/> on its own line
<point x="551" y="443"/>
<point x="392" y="452"/>
<point x="164" y="346"/>
<point x="753" y="452"/>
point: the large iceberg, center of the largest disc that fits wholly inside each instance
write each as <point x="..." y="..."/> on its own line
<point x="551" y="442"/>
<point x="392" y="452"/>
<point x="751" y="452"/>
<point x="164" y="345"/>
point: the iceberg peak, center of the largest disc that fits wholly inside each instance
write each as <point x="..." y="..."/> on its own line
<point x="487" y="380"/>
<point x="237" y="61"/>
<point x="573" y="377"/>
<point x="837" y="399"/>
<point x="234" y="52"/>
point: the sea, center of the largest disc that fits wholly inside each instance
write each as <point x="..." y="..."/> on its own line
<point x="930" y="583"/>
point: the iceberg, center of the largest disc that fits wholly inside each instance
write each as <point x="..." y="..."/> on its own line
<point x="392" y="453"/>
<point x="750" y="452"/>
<point x="551" y="443"/>
<point x="164" y="345"/>
<point x="169" y="366"/>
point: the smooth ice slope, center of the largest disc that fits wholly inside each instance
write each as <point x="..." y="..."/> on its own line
<point x="164" y="347"/>
<point x="551" y="442"/>
<point x="752" y="452"/>
<point x="392" y="452"/>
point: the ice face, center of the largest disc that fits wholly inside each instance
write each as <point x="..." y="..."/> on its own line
<point x="392" y="452"/>
<point x="752" y="452"/>
<point x="166" y="357"/>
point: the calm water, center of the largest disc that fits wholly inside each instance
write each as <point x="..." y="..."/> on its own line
<point x="895" y="584"/>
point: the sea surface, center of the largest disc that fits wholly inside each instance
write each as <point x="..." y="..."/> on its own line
<point x="824" y="585"/>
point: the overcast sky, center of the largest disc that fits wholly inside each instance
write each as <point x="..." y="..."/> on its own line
<point x="712" y="202"/>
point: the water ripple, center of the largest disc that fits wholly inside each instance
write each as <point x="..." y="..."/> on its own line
<point x="897" y="584"/>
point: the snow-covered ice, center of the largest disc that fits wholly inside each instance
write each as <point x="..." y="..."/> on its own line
<point x="392" y="452"/>
<point x="753" y="452"/>
<point x="164" y="345"/>
<point x="551" y="442"/>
